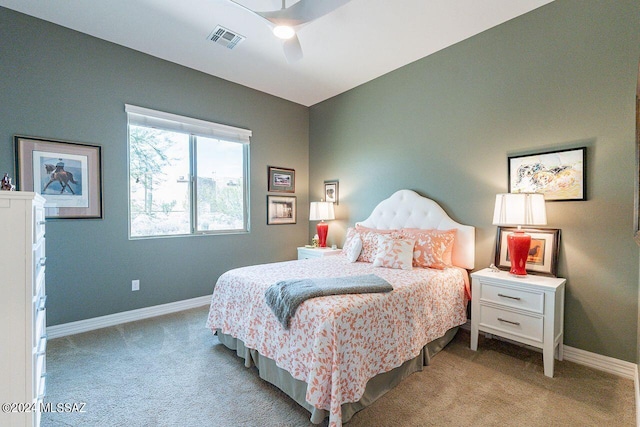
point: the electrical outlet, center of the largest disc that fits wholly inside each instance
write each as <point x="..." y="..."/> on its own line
<point x="135" y="285"/>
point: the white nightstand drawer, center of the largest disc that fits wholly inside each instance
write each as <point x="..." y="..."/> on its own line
<point x="517" y="298"/>
<point x="306" y="253"/>
<point x="521" y="325"/>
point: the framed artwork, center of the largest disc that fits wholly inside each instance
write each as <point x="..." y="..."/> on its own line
<point x="559" y="175"/>
<point x="67" y="174"/>
<point x="331" y="192"/>
<point x="281" y="180"/>
<point x="543" y="252"/>
<point x="281" y="210"/>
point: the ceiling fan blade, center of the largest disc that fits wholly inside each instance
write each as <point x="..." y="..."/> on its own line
<point x="302" y="12"/>
<point x="292" y="49"/>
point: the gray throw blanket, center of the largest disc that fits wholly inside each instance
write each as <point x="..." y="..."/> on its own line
<point x="284" y="297"/>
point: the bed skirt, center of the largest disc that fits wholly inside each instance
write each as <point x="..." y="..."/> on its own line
<point x="297" y="389"/>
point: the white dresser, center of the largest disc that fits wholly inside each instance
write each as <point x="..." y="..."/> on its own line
<point x="528" y="310"/>
<point x="22" y="307"/>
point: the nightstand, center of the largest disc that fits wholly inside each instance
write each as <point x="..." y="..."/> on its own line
<point x="305" y="253"/>
<point x="528" y="310"/>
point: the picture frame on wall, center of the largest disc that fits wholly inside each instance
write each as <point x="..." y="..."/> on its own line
<point x="281" y="180"/>
<point x="281" y="210"/>
<point x="67" y="174"/>
<point x="559" y="175"/>
<point x="543" y="252"/>
<point x="331" y="192"/>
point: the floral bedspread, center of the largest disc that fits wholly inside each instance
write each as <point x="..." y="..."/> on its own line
<point x="337" y="343"/>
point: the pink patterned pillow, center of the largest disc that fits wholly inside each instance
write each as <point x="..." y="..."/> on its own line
<point x="433" y="247"/>
<point x="394" y="253"/>
<point x="352" y="245"/>
<point x="369" y="238"/>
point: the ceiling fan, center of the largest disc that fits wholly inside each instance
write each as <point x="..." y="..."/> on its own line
<point x="287" y="20"/>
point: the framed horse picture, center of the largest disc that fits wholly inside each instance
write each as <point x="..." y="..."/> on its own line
<point x="67" y="174"/>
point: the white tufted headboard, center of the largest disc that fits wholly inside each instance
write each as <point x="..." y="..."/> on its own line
<point x="408" y="209"/>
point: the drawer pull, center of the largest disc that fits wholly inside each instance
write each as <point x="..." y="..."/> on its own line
<point x="42" y="222"/>
<point x="510" y="297"/>
<point x="509" y="321"/>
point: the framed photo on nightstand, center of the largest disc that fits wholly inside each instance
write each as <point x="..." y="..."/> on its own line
<point x="543" y="252"/>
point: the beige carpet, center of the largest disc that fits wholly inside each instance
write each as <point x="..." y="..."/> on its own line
<point x="171" y="371"/>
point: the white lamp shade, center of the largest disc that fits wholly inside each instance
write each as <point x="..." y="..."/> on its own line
<point x="319" y="211"/>
<point x="520" y="209"/>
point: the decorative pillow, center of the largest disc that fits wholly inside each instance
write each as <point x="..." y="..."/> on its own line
<point x="352" y="245"/>
<point x="369" y="238"/>
<point x="394" y="253"/>
<point x="433" y="247"/>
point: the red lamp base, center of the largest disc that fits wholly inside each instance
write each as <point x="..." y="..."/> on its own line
<point x="322" y="228"/>
<point x="518" y="244"/>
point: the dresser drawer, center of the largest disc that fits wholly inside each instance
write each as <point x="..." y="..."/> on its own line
<point x="39" y="285"/>
<point x="41" y="388"/>
<point x="39" y="257"/>
<point x="40" y="327"/>
<point x="526" y="326"/>
<point x="39" y="223"/>
<point x="40" y="372"/>
<point x="510" y="297"/>
<point x="39" y="316"/>
<point x="38" y="380"/>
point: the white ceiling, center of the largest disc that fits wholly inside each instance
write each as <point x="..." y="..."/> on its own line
<point x="354" y="44"/>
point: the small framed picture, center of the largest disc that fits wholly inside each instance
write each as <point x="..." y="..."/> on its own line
<point x="331" y="191"/>
<point x="67" y="174"/>
<point x="559" y="175"/>
<point x="543" y="252"/>
<point x="281" y="210"/>
<point x="281" y="180"/>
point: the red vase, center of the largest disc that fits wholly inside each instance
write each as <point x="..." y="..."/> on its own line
<point x="322" y="228"/>
<point x="518" y="243"/>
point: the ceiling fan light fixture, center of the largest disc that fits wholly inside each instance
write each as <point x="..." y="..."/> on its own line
<point x="284" y="32"/>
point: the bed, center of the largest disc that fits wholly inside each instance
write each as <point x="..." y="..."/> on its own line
<point x="340" y="353"/>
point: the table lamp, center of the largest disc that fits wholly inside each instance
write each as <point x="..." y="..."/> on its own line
<point x="518" y="209"/>
<point x="320" y="211"/>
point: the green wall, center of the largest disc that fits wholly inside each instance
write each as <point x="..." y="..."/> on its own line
<point x="60" y="84"/>
<point x="561" y="76"/>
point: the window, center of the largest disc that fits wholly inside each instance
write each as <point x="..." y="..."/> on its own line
<point x="186" y="176"/>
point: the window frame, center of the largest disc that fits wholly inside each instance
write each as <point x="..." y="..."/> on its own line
<point x="194" y="128"/>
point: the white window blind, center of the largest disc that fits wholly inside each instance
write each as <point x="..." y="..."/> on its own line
<point x="172" y="122"/>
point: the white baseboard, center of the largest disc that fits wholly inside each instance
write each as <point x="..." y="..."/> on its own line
<point x="617" y="367"/>
<point x="603" y="363"/>
<point x="87" y="325"/>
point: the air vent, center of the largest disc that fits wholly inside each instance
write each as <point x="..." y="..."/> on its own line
<point x="225" y="37"/>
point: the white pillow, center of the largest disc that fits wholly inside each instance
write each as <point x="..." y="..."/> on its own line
<point x="352" y="247"/>
<point x="394" y="253"/>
